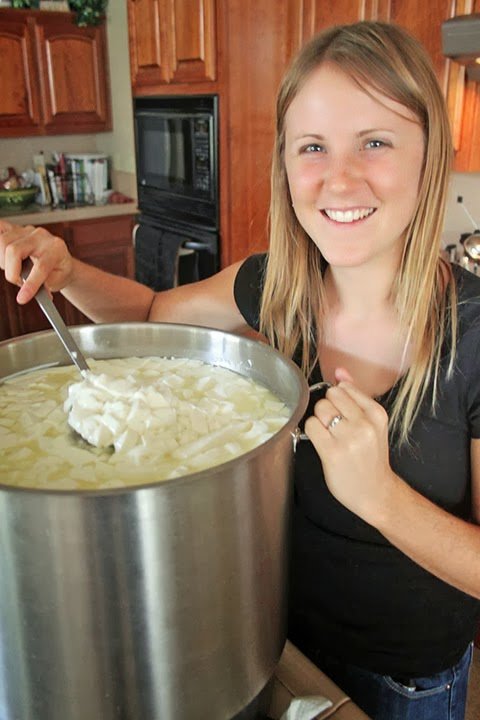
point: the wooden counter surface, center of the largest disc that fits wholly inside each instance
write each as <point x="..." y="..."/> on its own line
<point x="38" y="215"/>
<point x="296" y="676"/>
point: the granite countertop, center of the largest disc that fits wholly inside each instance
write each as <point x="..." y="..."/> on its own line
<point x="38" y="215"/>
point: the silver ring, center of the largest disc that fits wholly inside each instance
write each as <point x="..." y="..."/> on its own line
<point x="334" y="421"/>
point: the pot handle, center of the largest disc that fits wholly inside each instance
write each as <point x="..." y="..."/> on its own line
<point x="297" y="434"/>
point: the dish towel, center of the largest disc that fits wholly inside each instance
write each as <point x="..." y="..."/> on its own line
<point x="156" y="256"/>
<point x="306" y="708"/>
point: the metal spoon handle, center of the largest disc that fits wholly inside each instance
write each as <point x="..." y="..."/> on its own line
<point x="44" y="300"/>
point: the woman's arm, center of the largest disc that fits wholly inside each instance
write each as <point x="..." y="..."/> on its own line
<point x="443" y="544"/>
<point x="109" y="298"/>
<point x="438" y="541"/>
<point x="104" y="297"/>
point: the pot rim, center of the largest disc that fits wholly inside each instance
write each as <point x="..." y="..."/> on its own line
<point x="289" y="427"/>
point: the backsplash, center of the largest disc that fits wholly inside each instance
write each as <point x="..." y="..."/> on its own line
<point x="18" y="152"/>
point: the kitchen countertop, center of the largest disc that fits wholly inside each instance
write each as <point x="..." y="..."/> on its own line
<point x="296" y="676"/>
<point x="38" y="215"/>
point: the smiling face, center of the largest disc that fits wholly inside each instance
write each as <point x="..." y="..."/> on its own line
<point x="353" y="162"/>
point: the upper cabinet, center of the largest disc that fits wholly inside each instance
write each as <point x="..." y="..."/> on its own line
<point x="20" y="97"/>
<point x="172" y="42"/>
<point x="74" y="83"/>
<point x="464" y="104"/>
<point x="424" y="21"/>
<point x="55" y="78"/>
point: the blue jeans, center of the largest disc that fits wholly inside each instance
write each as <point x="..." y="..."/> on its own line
<point x="439" y="697"/>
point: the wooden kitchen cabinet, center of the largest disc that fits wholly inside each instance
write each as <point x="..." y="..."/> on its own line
<point x="424" y="21"/>
<point x="73" y="75"/>
<point x="104" y="242"/>
<point x="262" y="37"/>
<point x="20" y="112"/>
<point x="56" y="75"/>
<point x="464" y="100"/>
<point x="172" y="42"/>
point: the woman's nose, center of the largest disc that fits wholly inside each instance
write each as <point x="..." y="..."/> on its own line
<point x="342" y="172"/>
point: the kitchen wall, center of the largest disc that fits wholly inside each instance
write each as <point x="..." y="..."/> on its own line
<point x="466" y="185"/>
<point x="119" y="143"/>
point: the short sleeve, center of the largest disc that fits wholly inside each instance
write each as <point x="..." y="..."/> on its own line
<point x="248" y="288"/>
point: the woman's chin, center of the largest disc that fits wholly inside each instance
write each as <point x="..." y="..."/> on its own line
<point x="342" y="260"/>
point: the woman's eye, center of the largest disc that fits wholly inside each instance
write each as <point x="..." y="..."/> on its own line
<point x="313" y="148"/>
<point x="373" y="144"/>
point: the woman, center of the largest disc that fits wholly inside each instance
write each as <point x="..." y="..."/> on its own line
<point x="386" y="547"/>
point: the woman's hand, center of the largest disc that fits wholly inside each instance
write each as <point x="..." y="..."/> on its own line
<point x="355" y="458"/>
<point x="52" y="263"/>
<point x="353" y="448"/>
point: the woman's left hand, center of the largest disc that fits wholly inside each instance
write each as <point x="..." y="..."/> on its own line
<point x="353" y="448"/>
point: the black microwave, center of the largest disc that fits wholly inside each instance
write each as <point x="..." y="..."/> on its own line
<point x="176" y="146"/>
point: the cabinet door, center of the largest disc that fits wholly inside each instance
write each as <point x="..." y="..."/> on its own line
<point x="73" y="75"/>
<point x="424" y="21"/>
<point x="105" y="243"/>
<point x="318" y="15"/>
<point x="463" y="96"/>
<point x="19" y="98"/>
<point x="147" y="29"/>
<point x="192" y="40"/>
<point x="171" y="42"/>
<point x="464" y="101"/>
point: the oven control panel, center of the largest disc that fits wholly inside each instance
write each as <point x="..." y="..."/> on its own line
<point x="202" y="154"/>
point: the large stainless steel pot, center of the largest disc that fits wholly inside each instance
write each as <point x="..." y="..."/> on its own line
<point x="161" y="602"/>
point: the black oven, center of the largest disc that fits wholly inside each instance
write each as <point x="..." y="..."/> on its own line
<point x="176" y="144"/>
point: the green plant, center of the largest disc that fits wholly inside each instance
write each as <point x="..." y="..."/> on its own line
<point x="89" y="12"/>
<point x="25" y="3"/>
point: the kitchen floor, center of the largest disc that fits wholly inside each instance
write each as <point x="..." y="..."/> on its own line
<point x="473" y="702"/>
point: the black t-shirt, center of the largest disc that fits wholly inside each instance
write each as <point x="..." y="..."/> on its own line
<point x="353" y="595"/>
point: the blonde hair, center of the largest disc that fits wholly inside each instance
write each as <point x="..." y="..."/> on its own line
<point x="387" y="59"/>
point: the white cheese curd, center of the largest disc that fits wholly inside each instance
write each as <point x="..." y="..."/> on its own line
<point x="129" y="421"/>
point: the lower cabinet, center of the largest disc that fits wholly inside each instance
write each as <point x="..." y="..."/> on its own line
<point x="103" y="242"/>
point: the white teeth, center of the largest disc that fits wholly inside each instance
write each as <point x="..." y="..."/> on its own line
<point x="348" y="216"/>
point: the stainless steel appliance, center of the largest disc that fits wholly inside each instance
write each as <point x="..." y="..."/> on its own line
<point x="161" y="602"/>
